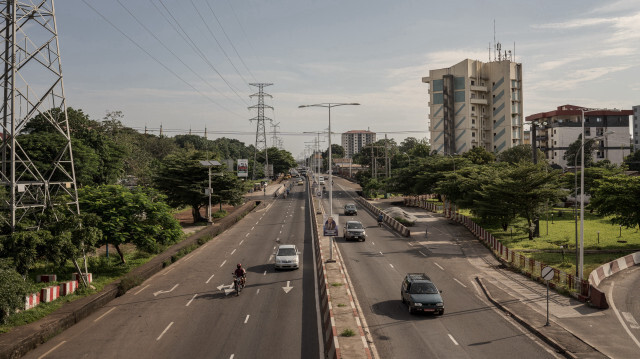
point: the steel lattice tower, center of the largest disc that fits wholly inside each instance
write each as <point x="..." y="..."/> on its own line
<point x="33" y="89"/>
<point x="261" y="134"/>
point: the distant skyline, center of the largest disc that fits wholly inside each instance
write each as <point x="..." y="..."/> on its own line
<point x="192" y="67"/>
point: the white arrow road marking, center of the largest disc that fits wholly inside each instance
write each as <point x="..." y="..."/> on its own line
<point x="194" y="297"/>
<point x="165" y="291"/>
<point x="227" y="288"/>
<point x="165" y="330"/>
<point x="288" y="288"/>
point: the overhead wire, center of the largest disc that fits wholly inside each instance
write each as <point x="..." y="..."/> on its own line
<point x="154" y="58"/>
<point x="230" y="42"/>
<point x="218" y="43"/>
<point x="198" y="51"/>
<point x="172" y="52"/>
<point x="245" y="35"/>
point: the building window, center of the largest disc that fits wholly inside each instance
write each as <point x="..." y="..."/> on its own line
<point x="587" y="131"/>
<point x="473" y="83"/>
<point x="599" y="131"/>
<point x="473" y="134"/>
<point x="473" y="108"/>
<point x="473" y="122"/>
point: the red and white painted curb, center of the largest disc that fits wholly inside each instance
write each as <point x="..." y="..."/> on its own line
<point x="49" y="294"/>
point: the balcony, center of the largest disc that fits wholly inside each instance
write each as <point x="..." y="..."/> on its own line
<point x="479" y="88"/>
<point x="479" y="101"/>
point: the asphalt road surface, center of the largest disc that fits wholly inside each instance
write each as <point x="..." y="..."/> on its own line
<point x="470" y="327"/>
<point x="184" y="311"/>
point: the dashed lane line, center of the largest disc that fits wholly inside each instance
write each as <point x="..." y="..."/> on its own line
<point x="164" y="331"/>
<point x="246" y="319"/>
<point x="52" y="349"/>
<point x="459" y="282"/>
<point x="453" y="340"/>
<point x="143" y="288"/>
<point x="223" y="263"/>
<point x="241" y="242"/>
<point x="438" y="265"/>
<point x="210" y="278"/>
<point x="232" y="252"/>
<point x="391" y="265"/>
<point x="422" y="253"/>
<point x="194" y="297"/>
<point x="100" y="317"/>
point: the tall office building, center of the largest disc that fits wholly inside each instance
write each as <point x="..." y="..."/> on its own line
<point x="353" y="141"/>
<point x="476" y="104"/>
<point x="557" y="130"/>
<point x="636" y="128"/>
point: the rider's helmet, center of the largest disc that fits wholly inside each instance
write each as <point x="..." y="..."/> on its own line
<point x="239" y="265"/>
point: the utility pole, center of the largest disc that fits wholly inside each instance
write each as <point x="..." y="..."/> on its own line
<point x="261" y="136"/>
<point x="33" y="87"/>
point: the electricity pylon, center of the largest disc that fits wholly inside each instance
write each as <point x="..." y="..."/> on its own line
<point x="33" y="93"/>
<point x="261" y="135"/>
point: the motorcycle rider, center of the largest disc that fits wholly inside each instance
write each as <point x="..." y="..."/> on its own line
<point x="241" y="273"/>
<point x="380" y="218"/>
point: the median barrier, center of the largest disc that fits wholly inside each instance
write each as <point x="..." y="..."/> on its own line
<point x="596" y="296"/>
<point x="393" y="224"/>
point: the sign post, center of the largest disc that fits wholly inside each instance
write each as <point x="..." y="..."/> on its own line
<point x="547" y="275"/>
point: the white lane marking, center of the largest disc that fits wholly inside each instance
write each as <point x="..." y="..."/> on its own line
<point x="391" y="265"/>
<point x="194" y="297"/>
<point x="241" y="242"/>
<point x="231" y="357"/>
<point x="410" y="244"/>
<point x="246" y="319"/>
<point x="208" y="280"/>
<point x="169" y="270"/>
<point x="280" y="231"/>
<point x="258" y="291"/>
<point x="373" y="243"/>
<point x="615" y="310"/>
<point x="453" y="340"/>
<point x="143" y="288"/>
<point x="270" y="257"/>
<point x="52" y="349"/>
<point x="381" y="253"/>
<point x="459" y="282"/>
<point x="422" y="253"/>
<point x="165" y="291"/>
<point x="252" y="228"/>
<point x="233" y="251"/>
<point x="265" y="273"/>
<point x="223" y="263"/>
<point x="247" y="235"/>
<point x="165" y="330"/>
<point x="100" y="317"/>
<point x="631" y="320"/>
<point x="257" y="222"/>
<point x="438" y="265"/>
<point x="187" y="258"/>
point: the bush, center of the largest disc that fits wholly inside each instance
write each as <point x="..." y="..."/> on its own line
<point x="220" y="214"/>
<point x="13" y="290"/>
<point x="128" y="282"/>
<point x="404" y="222"/>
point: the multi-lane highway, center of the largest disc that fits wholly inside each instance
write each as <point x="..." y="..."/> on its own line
<point x="470" y="327"/>
<point x="185" y="312"/>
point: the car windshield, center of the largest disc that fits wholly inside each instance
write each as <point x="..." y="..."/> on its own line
<point x="350" y="206"/>
<point x="285" y="252"/>
<point x="354" y="225"/>
<point x="423" y="288"/>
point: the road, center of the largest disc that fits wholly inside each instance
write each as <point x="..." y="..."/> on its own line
<point x="470" y="327"/>
<point x="184" y="312"/>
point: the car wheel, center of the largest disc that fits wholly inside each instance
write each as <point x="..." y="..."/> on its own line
<point x="410" y="310"/>
<point x="440" y="312"/>
<point x="402" y="298"/>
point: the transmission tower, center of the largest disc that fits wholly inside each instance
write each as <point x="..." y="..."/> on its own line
<point x="261" y="135"/>
<point x="275" y="142"/>
<point x="33" y="91"/>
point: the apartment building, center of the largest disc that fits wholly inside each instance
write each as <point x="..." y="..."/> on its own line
<point x="476" y="104"/>
<point x="353" y="141"/>
<point x="556" y="130"/>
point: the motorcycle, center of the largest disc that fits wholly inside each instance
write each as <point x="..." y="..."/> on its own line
<point x="238" y="284"/>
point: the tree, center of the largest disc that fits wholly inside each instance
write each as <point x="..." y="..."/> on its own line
<point x="282" y="160"/>
<point x="479" y="156"/>
<point x="633" y="161"/>
<point x="574" y="150"/>
<point x="139" y="216"/>
<point x="13" y="289"/>
<point x="617" y="196"/>
<point x="227" y="189"/>
<point x="182" y="178"/>
<point x="518" y="154"/>
<point x="521" y="190"/>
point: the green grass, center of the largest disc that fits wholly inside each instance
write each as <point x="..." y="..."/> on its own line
<point x="348" y="333"/>
<point x="562" y="232"/>
<point x="336" y="284"/>
<point x="341" y="305"/>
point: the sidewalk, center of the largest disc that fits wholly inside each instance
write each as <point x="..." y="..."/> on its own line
<point x="576" y="330"/>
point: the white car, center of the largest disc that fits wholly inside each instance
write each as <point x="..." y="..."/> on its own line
<point x="287" y="256"/>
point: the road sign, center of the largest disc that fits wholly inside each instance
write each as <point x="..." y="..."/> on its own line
<point x="547" y="273"/>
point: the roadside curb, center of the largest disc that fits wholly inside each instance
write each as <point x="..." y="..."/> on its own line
<point x="391" y="222"/>
<point x="560" y="348"/>
<point x="21" y="340"/>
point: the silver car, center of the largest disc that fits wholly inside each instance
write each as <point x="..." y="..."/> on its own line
<point x="354" y="230"/>
<point x="287" y="256"/>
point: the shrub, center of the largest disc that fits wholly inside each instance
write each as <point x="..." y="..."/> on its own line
<point x="348" y="333"/>
<point x="128" y="282"/>
<point x="13" y="290"/>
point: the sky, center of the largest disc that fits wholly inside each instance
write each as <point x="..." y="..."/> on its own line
<point x="187" y="64"/>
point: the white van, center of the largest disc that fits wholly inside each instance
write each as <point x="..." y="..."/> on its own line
<point x="320" y="179"/>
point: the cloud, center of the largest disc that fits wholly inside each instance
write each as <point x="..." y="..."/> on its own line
<point x="576" y="23"/>
<point x="448" y="58"/>
<point x="577" y="77"/>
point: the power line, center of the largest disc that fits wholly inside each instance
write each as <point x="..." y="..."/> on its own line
<point x="245" y="34"/>
<point x="195" y="47"/>
<point x="176" y="56"/>
<point x="228" y="39"/>
<point x="153" y="57"/>
<point x="218" y="42"/>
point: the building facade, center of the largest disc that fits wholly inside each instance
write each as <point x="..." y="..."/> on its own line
<point x="636" y="128"/>
<point x="556" y="130"/>
<point x="353" y="141"/>
<point x="476" y="104"/>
